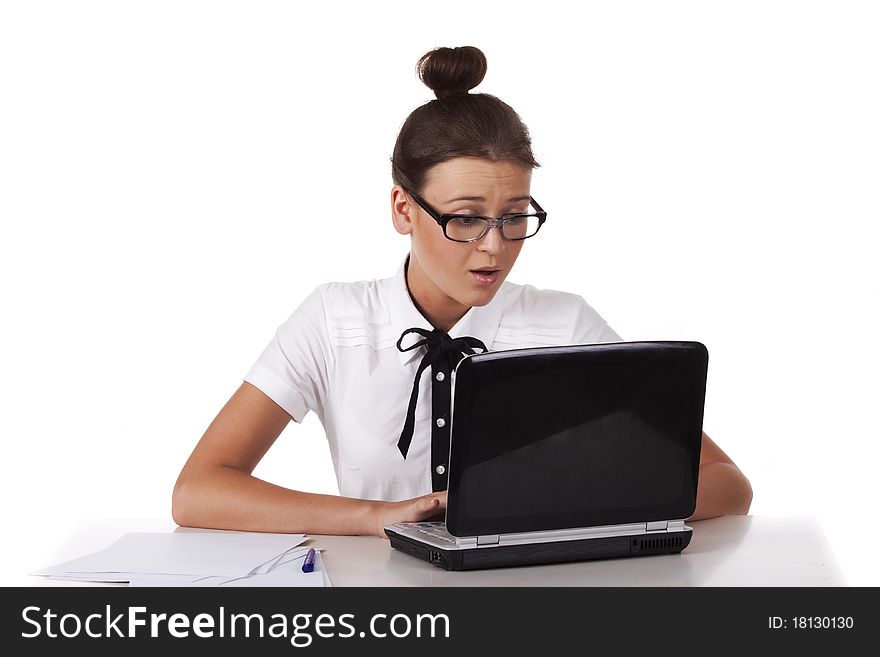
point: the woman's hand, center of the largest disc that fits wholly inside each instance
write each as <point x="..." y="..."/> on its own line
<point x="426" y="507"/>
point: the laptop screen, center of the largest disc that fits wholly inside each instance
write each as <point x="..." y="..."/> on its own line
<point x="576" y="436"/>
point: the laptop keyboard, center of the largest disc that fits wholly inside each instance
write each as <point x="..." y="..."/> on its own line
<point x="433" y="529"/>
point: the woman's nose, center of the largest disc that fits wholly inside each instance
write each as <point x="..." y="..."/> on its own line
<point x="491" y="242"/>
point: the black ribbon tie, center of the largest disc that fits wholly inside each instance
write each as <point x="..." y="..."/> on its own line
<point x="442" y="353"/>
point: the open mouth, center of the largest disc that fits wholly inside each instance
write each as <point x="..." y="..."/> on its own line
<point x="485" y="276"/>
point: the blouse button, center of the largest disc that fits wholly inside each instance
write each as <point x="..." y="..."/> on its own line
<point x="440" y="469"/>
<point x="440" y="376"/>
<point x="441" y="422"/>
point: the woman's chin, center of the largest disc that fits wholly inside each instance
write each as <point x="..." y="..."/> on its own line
<point x="480" y="296"/>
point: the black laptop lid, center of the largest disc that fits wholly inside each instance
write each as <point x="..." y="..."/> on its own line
<point x="575" y="436"/>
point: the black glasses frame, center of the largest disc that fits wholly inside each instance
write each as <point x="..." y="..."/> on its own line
<point x="444" y="219"/>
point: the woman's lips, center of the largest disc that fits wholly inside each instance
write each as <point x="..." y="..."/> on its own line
<point x="485" y="278"/>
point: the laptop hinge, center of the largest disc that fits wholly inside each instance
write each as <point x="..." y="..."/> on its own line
<point x="491" y="539"/>
<point x="665" y="526"/>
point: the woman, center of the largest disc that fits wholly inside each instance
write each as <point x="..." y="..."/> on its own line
<point x="355" y="353"/>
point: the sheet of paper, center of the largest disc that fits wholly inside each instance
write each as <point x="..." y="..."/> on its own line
<point x="121" y="578"/>
<point x="293" y="553"/>
<point x="287" y="573"/>
<point x="202" y="553"/>
<point x="201" y="581"/>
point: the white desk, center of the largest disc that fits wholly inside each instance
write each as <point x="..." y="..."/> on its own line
<point x="731" y="551"/>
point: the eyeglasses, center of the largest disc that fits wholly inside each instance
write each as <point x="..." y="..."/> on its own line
<point x="470" y="228"/>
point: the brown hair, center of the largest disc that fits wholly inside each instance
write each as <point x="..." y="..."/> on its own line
<point x="457" y="123"/>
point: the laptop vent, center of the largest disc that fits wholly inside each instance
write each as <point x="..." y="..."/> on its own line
<point x="659" y="544"/>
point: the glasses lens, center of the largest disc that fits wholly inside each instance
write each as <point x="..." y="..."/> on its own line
<point x="520" y="226"/>
<point x="465" y="228"/>
<point x="517" y="227"/>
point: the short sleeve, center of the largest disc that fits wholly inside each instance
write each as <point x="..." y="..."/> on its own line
<point x="588" y="327"/>
<point x="293" y="369"/>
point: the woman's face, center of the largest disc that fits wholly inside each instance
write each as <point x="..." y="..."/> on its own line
<point x="441" y="274"/>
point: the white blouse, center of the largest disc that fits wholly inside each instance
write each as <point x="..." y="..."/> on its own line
<point x="337" y="355"/>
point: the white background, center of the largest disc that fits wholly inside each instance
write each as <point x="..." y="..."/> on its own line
<point x="175" y="178"/>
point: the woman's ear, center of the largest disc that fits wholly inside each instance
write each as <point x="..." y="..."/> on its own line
<point x="402" y="211"/>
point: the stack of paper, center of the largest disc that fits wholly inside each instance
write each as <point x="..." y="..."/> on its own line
<point x="197" y="558"/>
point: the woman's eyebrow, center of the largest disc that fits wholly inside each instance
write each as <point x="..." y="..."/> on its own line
<point x="483" y="198"/>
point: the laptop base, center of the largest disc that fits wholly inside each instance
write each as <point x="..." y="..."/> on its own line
<point x="479" y="558"/>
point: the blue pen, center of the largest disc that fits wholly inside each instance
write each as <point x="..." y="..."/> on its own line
<point x="309" y="563"/>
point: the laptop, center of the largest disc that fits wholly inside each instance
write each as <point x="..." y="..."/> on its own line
<point x="568" y="453"/>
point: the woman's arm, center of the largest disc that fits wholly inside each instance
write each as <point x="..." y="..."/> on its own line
<point x="216" y="489"/>
<point x="722" y="489"/>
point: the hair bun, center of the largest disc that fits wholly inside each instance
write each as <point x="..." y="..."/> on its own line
<point x="452" y="71"/>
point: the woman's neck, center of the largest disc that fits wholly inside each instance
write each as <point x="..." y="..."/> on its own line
<point x="439" y="309"/>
